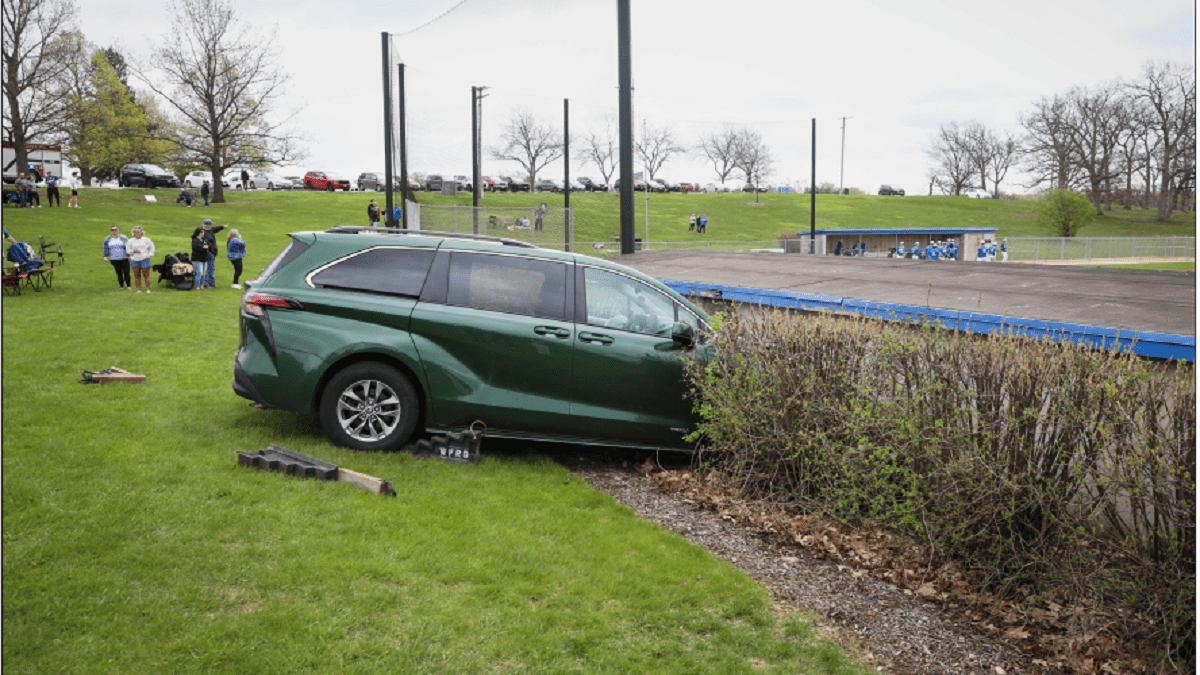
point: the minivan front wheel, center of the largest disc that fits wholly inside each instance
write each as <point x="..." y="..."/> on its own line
<point x="369" y="406"/>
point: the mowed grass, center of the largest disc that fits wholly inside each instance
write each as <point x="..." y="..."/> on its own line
<point x="134" y="543"/>
<point x="737" y="217"/>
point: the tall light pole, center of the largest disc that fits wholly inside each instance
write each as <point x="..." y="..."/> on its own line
<point x="842" y="174"/>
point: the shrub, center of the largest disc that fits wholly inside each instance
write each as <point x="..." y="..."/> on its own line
<point x="1064" y="212"/>
<point x="1039" y="464"/>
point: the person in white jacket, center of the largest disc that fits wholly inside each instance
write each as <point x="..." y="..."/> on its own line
<point x="74" y="183"/>
<point x="141" y="252"/>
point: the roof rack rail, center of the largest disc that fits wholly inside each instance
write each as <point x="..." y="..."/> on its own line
<point x="355" y="229"/>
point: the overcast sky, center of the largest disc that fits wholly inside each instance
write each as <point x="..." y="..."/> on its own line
<point x="896" y="68"/>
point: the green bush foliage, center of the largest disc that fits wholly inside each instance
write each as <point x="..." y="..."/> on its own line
<point x="1046" y="467"/>
<point x="1064" y="212"/>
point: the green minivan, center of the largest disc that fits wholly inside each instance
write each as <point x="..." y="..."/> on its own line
<point x="384" y="331"/>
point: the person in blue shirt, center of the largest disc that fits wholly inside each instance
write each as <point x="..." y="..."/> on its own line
<point x="838" y="250"/>
<point x="952" y="251"/>
<point x="900" y="250"/>
<point x="915" y="254"/>
<point x="235" y="251"/>
<point x="52" y="190"/>
<point x="981" y="253"/>
<point x="929" y="251"/>
<point x="991" y="252"/>
<point x="1004" y="250"/>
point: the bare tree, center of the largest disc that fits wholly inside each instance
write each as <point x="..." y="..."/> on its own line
<point x="720" y="147"/>
<point x="601" y="149"/>
<point x="220" y="78"/>
<point x="37" y="37"/>
<point x="530" y="143"/>
<point x="1004" y="152"/>
<point x="953" y="163"/>
<point x="1100" y="119"/>
<point x="754" y="159"/>
<point x="1169" y="92"/>
<point x="1047" y="149"/>
<point x="655" y="146"/>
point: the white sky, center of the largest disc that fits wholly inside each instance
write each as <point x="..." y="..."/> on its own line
<point x="896" y="68"/>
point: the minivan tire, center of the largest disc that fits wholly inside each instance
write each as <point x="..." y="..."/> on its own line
<point x="369" y="406"/>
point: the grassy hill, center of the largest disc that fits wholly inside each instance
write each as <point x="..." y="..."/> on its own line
<point x="737" y="216"/>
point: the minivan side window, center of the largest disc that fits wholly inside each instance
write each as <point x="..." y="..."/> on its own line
<point x="387" y="269"/>
<point x="510" y="284"/>
<point x="618" y="302"/>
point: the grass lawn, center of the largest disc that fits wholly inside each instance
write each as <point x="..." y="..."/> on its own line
<point x="735" y="217"/>
<point x="134" y="543"/>
<point x="1150" y="266"/>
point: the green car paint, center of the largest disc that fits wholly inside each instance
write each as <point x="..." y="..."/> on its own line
<point x="499" y="333"/>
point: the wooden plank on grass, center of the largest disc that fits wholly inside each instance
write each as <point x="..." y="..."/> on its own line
<point x="369" y="483"/>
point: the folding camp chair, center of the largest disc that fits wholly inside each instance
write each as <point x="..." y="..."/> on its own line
<point x="46" y="249"/>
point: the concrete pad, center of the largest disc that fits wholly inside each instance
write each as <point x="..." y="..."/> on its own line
<point x="1159" y="301"/>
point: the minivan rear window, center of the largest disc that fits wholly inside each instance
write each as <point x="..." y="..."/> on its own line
<point x="289" y="253"/>
<point x="386" y="269"/>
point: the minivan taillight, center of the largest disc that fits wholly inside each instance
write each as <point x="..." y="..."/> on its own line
<point x="254" y="303"/>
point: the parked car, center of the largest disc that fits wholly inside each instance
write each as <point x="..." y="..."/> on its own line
<point x="576" y="186"/>
<point x="385" y="333"/>
<point x="669" y="185"/>
<point x="591" y="185"/>
<point x="888" y="190"/>
<point x="549" y="185"/>
<point x="317" y="180"/>
<point x="488" y="184"/>
<point x="195" y="179"/>
<point x="146" y="175"/>
<point x="269" y="181"/>
<point x="433" y="183"/>
<point x="338" y="182"/>
<point x="297" y="182"/>
<point x="687" y="187"/>
<point x="515" y="185"/>
<point x="463" y="183"/>
<point x="371" y="181"/>
<point x="976" y="193"/>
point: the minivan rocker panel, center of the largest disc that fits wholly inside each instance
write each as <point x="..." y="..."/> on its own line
<point x="387" y="333"/>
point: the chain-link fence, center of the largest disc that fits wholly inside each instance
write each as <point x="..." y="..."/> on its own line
<point x="1035" y="249"/>
<point x="548" y="227"/>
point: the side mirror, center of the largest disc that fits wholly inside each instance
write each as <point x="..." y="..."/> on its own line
<point x="683" y="335"/>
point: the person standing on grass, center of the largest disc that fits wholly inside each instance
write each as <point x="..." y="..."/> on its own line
<point x="74" y="184"/>
<point x="52" y="198"/>
<point x="141" y="252"/>
<point x="702" y="224"/>
<point x="210" y="238"/>
<point x="204" y="192"/>
<point x="200" y="258"/>
<point x="114" y="252"/>
<point x="373" y="214"/>
<point x="692" y="223"/>
<point x="235" y="250"/>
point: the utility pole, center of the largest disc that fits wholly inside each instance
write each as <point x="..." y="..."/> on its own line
<point x="476" y="121"/>
<point x="812" y="217"/>
<point x="566" y="175"/>
<point x="404" y="192"/>
<point x="625" y="113"/>
<point x="387" y="126"/>
<point x="842" y="175"/>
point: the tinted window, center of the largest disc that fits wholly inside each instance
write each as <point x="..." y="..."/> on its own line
<point x="509" y="284"/>
<point x="395" y="271"/>
<point x="618" y="302"/>
<point x="287" y="255"/>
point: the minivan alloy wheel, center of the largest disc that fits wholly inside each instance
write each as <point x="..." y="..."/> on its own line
<point x="369" y="406"/>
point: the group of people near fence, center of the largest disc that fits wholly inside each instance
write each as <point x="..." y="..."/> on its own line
<point x="698" y="223"/>
<point x="27" y="195"/>
<point x="135" y="254"/>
